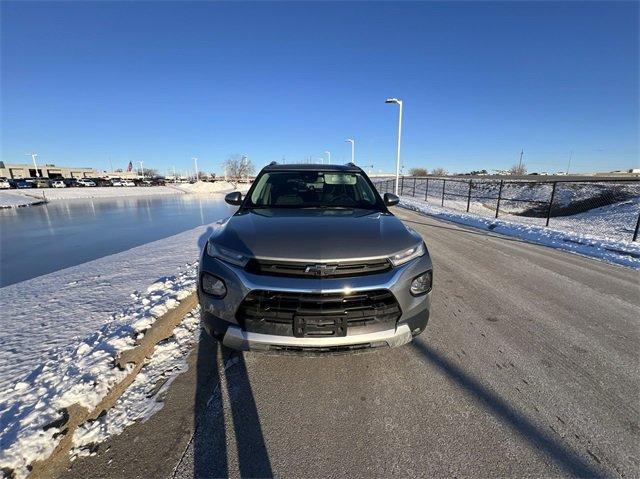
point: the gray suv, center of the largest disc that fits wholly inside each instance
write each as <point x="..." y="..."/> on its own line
<point x="313" y="261"/>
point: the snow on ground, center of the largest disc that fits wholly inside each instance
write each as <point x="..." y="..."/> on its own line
<point x="614" y="222"/>
<point x="12" y="199"/>
<point x="205" y="187"/>
<point x="15" y="198"/>
<point x="59" y="347"/>
<point x="63" y="307"/>
<point x="142" y="398"/>
<point x="625" y="253"/>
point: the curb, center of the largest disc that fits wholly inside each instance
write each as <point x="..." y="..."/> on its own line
<point x="76" y="415"/>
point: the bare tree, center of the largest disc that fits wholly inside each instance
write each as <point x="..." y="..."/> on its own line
<point x="151" y="173"/>
<point x="418" y="172"/>
<point x="238" y="167"/>
<point x="519" y="169"/>
<point x="439" y="172"/>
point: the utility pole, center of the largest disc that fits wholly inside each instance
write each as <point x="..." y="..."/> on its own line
<point x="328" y="157"/>
<point x="195" y="161"/>
<point x="569" y="163"/>
<point x="142" y="169"/>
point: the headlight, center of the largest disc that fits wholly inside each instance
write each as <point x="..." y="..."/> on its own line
<point x="226" y="254"/>
<point x="213" y="286"/>
<point x="408" y="255"/>
<point x="422" y="284"/>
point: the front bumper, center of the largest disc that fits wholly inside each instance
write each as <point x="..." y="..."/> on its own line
<point x="219" y="315"/>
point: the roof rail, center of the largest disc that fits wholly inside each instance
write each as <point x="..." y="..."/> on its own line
<point x="351" y="163"/>
<point x="273" y="163"/>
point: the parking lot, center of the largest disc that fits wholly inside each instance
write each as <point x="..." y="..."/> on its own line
<point x="500" y="384"/>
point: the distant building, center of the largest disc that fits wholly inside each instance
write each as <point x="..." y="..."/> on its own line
<point x="21" y="170"/>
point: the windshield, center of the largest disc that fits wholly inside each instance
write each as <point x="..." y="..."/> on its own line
<point x="313" y="189"/>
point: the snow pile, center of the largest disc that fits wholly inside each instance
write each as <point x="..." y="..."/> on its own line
<point x="625" y="253"/>
<point x="107" y="192"/>
<point x="205" y="187"/>
<point x="13" y="199"/>
<point x="143" y="397"/>
<point x="61" y="308"/>
<point x="81" y="373"/>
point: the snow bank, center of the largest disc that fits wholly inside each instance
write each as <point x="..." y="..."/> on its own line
<point x="61" y="308"/>
<point x="143" y="397"/>
<point x="624" y="253"/>
<point x="108" y="192"/>
<point x="205" y="187"/>
<point x="14" y="199"/>
<point x="84" y="372"/>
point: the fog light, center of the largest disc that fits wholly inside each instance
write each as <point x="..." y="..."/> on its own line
<point x="421" y="284"/>
<point x="213" y="286"/>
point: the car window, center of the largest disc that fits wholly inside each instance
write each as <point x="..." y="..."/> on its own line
<point x="307" y="189"/>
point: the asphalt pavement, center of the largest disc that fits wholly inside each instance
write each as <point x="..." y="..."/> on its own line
<point x="529" y="367"/>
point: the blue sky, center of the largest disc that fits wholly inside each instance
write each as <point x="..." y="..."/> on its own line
<point x="87" y="83"/>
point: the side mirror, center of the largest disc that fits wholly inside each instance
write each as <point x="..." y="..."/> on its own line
<point x="390" y="199"/>
<point x="234" y="198"/>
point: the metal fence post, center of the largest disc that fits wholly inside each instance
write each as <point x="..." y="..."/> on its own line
<point x="426" y="192"/>
<point x="553" y="194"/>
<point x="635" y="233"/>
<point x="499" y="197"/>
<point x="444" y="182"/>
<point x="401" y="185"/>
<point x="414" y="186"/>
<point x="469" y="196"/>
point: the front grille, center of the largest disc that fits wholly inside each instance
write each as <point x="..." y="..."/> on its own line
<point x="317" y="314"/>
<point x="306" y="269"/>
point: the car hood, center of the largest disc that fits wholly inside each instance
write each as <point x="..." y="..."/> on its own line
<point x="314" y="234"/>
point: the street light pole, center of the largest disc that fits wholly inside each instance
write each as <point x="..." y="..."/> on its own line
<point x="353" y="146"/>
<point x="142" y="169"/>
<point x="399" y="102"/>
<point x="328" y="157"/>
<point x="195" y="161"/>
<point x="35" y="165"/>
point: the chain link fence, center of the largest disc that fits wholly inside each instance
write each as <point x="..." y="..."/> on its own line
<point x="603" y="208"/>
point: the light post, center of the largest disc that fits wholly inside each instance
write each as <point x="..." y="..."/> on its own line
<point x="399" y="102"/>
<point x="328" y="153"/>
<point x="353" y="146"/>
<point x="195" y="161"/>
<point x="35" y="165"/>
<point x="142" y="169"/>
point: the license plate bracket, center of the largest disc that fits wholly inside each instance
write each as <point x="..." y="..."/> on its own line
<point x="319" y="326"/>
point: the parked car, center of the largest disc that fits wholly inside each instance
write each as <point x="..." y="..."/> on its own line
<point x="23" y="183"/>
<point x="102" y="182"/>
<point x="4" y="183"/>
<point x="158" y="182"/>
<point x="86" y="182"/>
<point x="42" y="183"/>
<point x="58" y="184"/>
<point x="145" y="182"/>
<point x="314" y="261"/>
<point x="70" y="182"/>
<point x="128" y="183"/>
<point x="116" y="182"/>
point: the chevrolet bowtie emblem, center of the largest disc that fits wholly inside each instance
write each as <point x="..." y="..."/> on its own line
<point x="321" y="269"/>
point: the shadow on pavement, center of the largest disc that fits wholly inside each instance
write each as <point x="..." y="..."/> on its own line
<point x="567" y="459"/>
<point x="210" y="437"/>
